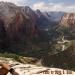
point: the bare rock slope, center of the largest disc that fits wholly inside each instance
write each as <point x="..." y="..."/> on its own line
<point x="29" y="69"/>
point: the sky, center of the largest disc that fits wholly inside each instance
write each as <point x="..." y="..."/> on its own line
<point x="47" y="5"/>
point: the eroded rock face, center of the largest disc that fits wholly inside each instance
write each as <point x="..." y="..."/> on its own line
<point x="3" y="36"/>
<point x="31" y="16"/>
<point x="15" y="22"/>
<point x="43" y="19"/>
<point x="68" y="20"/>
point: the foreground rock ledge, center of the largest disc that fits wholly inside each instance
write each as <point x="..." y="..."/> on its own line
<point x="29" y="69"/>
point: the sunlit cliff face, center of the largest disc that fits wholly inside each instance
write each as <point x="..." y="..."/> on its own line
<point x="68" y="20"/>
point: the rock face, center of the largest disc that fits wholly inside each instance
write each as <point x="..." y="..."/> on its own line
<point x="30" y="15"/>
<point x="15" y="22"/>
<point x="43" y="19"/>
<point x="68" y="20"/>
<point x="43" y="14"/>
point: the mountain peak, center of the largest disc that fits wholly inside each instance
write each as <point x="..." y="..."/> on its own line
<point x="6" y="4"/>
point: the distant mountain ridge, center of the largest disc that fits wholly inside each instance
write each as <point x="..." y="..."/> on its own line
<point x="56" y="16"/>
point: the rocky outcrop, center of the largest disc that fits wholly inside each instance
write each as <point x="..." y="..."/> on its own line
<point x="30" y="69"/>
<point x="68" y="20"/>
<point x="3" y="36"/>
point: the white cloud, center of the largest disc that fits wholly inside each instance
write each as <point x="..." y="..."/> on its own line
<point x="40" y="5"/>
<point x="54" y="7"/>
<point x="17" y="2"/>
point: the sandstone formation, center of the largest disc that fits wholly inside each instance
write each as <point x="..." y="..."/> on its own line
<point x="16" y="22"/>
<point x="68" y="20"/>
